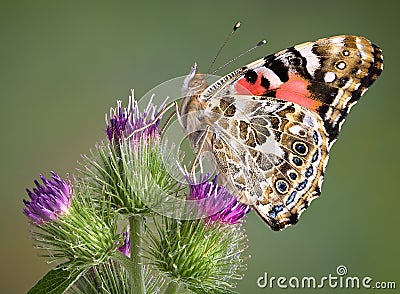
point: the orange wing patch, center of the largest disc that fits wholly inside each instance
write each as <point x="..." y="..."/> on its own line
<point x="295" y="90"/>
<point x="246" y="87"/>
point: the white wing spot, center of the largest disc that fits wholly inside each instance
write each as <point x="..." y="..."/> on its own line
<point x="295" y="130"/>
<point x="341" y="65"/>
<point x="329" y="77"/>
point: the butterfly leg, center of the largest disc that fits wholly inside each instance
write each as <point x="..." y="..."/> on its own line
<point x="176" y="112"/>
<point x="202" y="141"/>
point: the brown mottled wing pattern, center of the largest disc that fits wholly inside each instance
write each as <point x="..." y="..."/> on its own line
<point x="271" y="153"/>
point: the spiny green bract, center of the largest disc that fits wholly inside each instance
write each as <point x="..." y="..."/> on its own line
<point x="206" y="258"/>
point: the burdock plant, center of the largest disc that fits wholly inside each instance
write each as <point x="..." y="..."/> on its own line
<point x="126" y="223"/>
<point x="202" y="254"/>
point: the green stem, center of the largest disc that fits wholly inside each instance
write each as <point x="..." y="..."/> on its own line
<point x="121" y="258"/>
<point x="172" y="288"/>
<point x="136" y="235"/>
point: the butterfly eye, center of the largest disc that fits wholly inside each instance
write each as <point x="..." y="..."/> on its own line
<point x="282" y="186"/>
<point x="300" y="148"/>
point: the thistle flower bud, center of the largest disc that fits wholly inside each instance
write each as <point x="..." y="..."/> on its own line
<point x="203" y="254"/>
<point x="218" y="204"/>
<point x="69" y="226"/>
<point x="48" y="201"/>
<point x="130" y="123"/>
<point x="131" y="168"/>
<point x="126" y="247"/>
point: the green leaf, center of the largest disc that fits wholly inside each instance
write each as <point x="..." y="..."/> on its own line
<point x="56" y="281"/>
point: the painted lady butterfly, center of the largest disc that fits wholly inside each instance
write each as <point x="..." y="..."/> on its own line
<point x="270" y="124"/>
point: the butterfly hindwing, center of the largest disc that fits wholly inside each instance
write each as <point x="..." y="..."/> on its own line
<point x="271" y="153"/>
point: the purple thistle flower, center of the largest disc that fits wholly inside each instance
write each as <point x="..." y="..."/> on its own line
<point x="124" y="121"/>
<point x="218" y="204"/>
<point x="48" y="201"/>
<point x="126" y="248"/>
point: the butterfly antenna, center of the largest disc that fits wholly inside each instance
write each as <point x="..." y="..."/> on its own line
<point x="259" y="44"/>
<point x="235" y="27"/>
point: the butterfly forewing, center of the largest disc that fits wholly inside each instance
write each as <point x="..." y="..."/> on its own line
<point x="274" y="121"/>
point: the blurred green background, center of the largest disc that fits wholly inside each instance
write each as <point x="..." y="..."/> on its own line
<point x="64" y="63"/>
